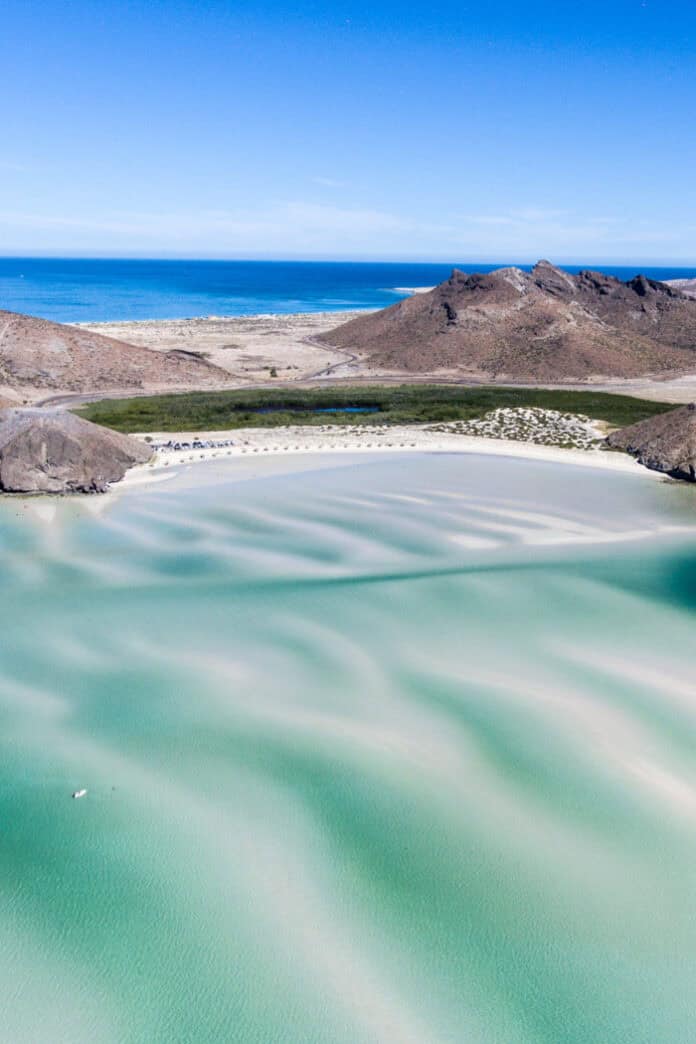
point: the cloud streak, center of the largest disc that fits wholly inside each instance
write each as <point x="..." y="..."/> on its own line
<point x="299" y="227"/>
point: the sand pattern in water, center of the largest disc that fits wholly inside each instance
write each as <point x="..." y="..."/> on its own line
<point x="396" y="751"/>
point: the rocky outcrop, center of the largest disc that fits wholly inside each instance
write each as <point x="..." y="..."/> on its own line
<point x="545" y="325"/>
<point x="52" y="451"/>
<point x="665" y="443"/>
<point x="37" y="355"/>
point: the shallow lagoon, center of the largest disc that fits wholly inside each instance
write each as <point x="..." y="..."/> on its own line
<point x="379" y="750"/>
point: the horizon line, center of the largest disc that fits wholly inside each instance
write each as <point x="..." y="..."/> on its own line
<point x="182" y="258"/>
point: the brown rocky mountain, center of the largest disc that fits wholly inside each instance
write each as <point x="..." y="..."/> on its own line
<point x="52" y="451"/>
<point x="39" y="355"/>
<point x="544" y="325"/>
<point x="664" y="443"/>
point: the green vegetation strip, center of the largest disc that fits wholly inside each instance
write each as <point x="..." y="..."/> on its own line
<point x="403" y="404"/>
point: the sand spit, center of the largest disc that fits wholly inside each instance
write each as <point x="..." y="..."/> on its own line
<point x="413" y="289"/>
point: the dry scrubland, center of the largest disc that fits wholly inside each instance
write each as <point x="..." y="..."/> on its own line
<point x="250" y="349"/>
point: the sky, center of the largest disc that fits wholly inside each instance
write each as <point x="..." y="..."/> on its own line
<point x="349" y="130"/>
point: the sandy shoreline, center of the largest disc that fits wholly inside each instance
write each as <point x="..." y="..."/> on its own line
<point x="261" y="443"/>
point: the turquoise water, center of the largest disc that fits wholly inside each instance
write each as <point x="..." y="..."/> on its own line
<point x="396" y="750"/>
<point x="73" y="290"/>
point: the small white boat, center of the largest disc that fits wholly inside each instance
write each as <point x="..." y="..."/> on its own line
<point x="79" y="793"/>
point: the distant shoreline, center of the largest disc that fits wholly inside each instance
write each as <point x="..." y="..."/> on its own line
<point x="280" y="316"/>
<point x="97" y="290"/>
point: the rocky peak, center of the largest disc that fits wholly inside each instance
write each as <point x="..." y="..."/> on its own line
<point x="645" y="287"/>
<point x="553" y="280"/>
<point x="514" y="277"/>
<point x="640" y="285"/>
<point x="457" y="280"/>
<point x="598" y="282"/>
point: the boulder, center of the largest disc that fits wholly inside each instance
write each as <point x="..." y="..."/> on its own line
<point x="53" y="451"/>
<point x="664" y="443"/>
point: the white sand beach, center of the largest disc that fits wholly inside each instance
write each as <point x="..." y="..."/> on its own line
<point x="334" y="440"/>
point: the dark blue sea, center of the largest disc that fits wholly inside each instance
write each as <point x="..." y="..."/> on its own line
<point x="74" y="290"/>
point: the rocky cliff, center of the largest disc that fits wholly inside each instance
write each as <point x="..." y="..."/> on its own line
<point x="664" y="443"/>
<point x="53" y="451"/>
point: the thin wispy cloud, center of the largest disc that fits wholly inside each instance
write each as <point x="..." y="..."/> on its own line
<point x="281" y="225"/>
<point x="530" y="231"/>
<point x="300" y="227"/>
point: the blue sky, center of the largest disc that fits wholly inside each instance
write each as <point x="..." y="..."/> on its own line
<point x="452" y="131"/>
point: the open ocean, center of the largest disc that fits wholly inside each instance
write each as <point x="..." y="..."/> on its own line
<point x="74" y="290"/>
<point x="385" y="751"/>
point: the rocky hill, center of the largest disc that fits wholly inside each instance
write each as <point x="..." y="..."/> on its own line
<point x="52" y="451"/>
<point x="40" y="356"/>
<point x="664" y="443"/>
<point x="544" y="325"/>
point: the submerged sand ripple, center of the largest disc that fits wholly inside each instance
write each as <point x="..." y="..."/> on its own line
<point x="400" y="751"/>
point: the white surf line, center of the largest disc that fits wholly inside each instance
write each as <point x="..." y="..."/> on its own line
<point x="412" y="290"/>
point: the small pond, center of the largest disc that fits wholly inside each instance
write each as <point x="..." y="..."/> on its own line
<point x="322" y="409"/>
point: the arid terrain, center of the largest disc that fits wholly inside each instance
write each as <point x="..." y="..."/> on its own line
<point x="539" y="326"/>
<point x="252" y="349"/>
<point x="546" y="328"/>
<point x="40" y="359"/>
